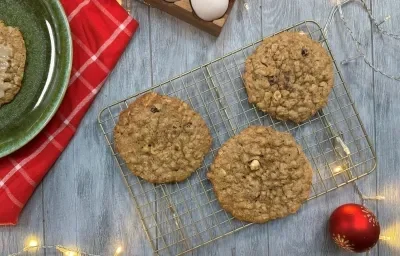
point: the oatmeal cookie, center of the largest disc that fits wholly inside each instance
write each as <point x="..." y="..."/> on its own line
<point x="289" y="76"/>
<point x="261" y="174"/>
<point x="161" y="139"/>
<point x="12" y="62"/>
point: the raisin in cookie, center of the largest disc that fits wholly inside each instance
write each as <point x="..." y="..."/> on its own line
<point x="12" y="62"/>
<point x="161" y="138"/>
<point x="261" y="174"/>
<point x="289" y="76"/>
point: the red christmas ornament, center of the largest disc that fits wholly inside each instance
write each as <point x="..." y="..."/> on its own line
<point x="354" y="228"/>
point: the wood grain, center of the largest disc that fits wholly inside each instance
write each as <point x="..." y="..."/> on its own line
<point x="182" y="56"/>
<point x="83" y="202"/>
<point x="30" y="226"/>
<point x="185" y="4"/>
<point x="360" y="82"/>
<point x="243" y="27"/>
<point x="387" y="106"/>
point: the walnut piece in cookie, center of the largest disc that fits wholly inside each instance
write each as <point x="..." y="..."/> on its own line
<point x="261" y="174"/>
<point x="289" y="76"/>
<point x="161" y="138"/>
<point x="12" y="62"/>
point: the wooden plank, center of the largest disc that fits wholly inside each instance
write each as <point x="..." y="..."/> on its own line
<point x="359" y="80"/>
<point x="182" y="10"/>
<point x="387" y="107"/>
<point x="30" y="226"/>
<point x="310" y="235"/>
<point x="195" y="48"/>
<point x="185" y="47"/>
<point x="87" y="205"/>
<point x="245" y="27"/>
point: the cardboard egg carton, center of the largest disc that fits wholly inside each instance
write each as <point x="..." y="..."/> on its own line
<point x="182" y="9"/>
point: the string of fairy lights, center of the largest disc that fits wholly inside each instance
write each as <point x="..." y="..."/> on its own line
<point x="361" y="52"/>
<point x="34" y="247"/>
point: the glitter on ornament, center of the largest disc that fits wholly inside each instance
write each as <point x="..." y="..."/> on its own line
<point x="370" y="216"/>
<point x="342" y="242"/>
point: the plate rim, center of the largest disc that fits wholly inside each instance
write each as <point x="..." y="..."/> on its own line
<point x="29" y="136"/>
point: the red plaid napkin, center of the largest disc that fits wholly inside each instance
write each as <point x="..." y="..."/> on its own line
<point x="101" y="29"/>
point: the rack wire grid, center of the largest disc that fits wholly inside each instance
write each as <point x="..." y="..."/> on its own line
<point x="180" y="217"/>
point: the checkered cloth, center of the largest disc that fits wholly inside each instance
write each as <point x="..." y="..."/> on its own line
<point x="101" y="29"/>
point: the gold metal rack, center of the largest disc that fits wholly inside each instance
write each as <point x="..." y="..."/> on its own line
<point x="181" y="217"/>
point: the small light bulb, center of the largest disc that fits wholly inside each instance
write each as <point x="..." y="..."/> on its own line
<point x="337" y="169"/>
<point x="70" y="253"/>
<point x="383" y="21"/>
<point x="379" y="198"/>
<point x="33" y="243"/>
<point x="118" y="251"/>
<point x="384" y="238"/>
<point x="336" y="2"/>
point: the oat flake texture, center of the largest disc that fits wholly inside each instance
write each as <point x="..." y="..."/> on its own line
<point x="289" y="76"/>
<point x="161" y="138"/>
<point x="261" y="174"/>
<point x="12" y="62"/>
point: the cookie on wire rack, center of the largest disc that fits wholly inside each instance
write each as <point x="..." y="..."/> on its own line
<point x="260" y="175"/>
<point x="161" y="138"/>
<point x="289" y="76"/>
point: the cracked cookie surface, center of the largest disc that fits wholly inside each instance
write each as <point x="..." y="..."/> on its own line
<point x="12" y="62"/>
<point x="261" y="174"/>
<point x="289" y="76"/>
<point x="161" y="138"/>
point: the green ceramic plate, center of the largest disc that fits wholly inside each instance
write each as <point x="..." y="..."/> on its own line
<point x="49" y="57"/>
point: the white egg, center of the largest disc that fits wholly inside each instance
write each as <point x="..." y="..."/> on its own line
<point x="210" y="10"/>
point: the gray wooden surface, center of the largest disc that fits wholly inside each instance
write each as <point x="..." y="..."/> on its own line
<point x="83" y="202"/>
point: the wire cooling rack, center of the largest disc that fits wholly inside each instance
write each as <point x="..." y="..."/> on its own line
<point x="180" y="217"/>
